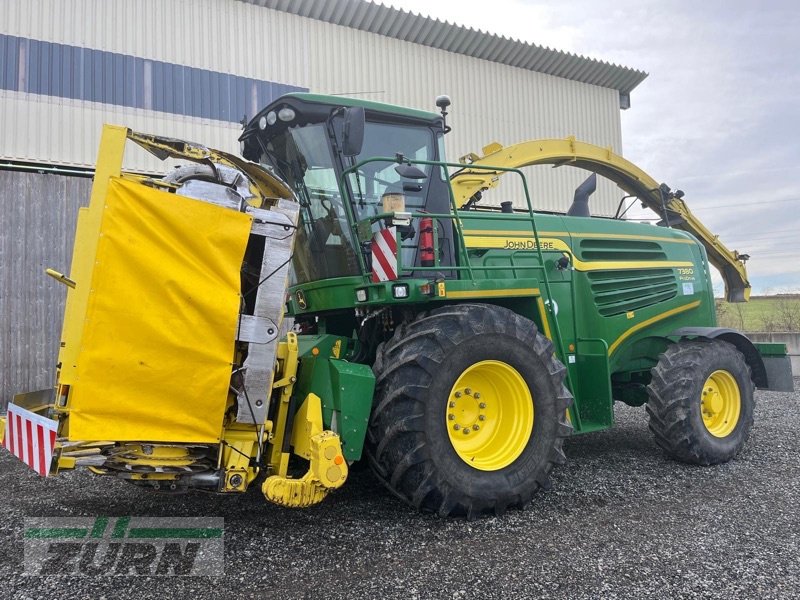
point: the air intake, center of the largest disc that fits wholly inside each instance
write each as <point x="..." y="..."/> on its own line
<point x="616" y="292"/>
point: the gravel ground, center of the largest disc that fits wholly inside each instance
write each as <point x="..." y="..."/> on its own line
<point x="622" y="521"/>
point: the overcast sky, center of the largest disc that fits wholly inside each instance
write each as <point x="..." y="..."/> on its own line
<point x="717" y="117"/>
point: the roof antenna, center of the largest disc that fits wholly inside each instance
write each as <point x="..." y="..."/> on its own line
<point x="443" y="102"/>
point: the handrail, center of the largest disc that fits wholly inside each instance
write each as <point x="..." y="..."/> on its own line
<point x="456" y="217"/>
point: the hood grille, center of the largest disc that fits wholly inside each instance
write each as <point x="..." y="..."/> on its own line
<point x="616" y="292"/>
<point x="632" y="250"/>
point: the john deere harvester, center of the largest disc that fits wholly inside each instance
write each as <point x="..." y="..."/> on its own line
<point x="450" y="344"/>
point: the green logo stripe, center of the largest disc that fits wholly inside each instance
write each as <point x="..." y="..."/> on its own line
<point x="174" y="532"/>
<point x="55" y="532"/>
<point x="120" y="527"/>
<point x="100" y="524"/>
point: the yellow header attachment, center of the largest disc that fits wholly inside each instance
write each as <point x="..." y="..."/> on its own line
<point x="626" y="175"/>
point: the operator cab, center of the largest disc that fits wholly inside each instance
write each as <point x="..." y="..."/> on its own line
<point x="311" y="141"/>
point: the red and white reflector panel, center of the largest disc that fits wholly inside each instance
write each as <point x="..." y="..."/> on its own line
<point x="31" y="438"/>
<point x="384" y="255"/>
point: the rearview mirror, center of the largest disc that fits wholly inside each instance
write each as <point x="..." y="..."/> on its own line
<point x="410" y="171"/>
<point x="353" y="137"/>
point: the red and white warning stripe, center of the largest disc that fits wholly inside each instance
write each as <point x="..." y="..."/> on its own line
<point x="31" y="438"/>
<point x="384" y="255"/>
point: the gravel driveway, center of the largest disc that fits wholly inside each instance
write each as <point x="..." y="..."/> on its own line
<point x="622" y="521"/>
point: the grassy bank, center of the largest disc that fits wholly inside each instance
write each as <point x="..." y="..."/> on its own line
<point x="762" y="313"/>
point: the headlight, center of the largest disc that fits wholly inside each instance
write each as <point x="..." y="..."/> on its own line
<point x="271" y="117"/>
<point x="361" y="295"/>
<point x="286" y="114"/>
<point x="400" y="291"/>
<point x="262" y="123"/>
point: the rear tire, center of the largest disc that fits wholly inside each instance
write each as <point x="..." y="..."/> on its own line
<point x="468" y="366"/>
<point x="701" y="401"/>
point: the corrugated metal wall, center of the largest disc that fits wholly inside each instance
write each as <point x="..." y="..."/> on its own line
<point x="38" y="224"/>
<point x="491" y="102"/>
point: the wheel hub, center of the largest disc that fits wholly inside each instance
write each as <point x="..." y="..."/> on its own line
<point x="489" y="415"/>
<point x="712" y="402"/>
<point x="466" y="410"/>
<point x="720" y="403"/>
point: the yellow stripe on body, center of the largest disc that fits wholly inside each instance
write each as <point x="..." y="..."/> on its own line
<point x="615" y="236"/>
<point x="491" y="293"/>
<point x="545" y="322"/>
<point x="550" y="244"/>
<point x="650" y="321"/>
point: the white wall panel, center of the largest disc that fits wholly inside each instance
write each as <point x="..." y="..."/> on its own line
<point x="491" y="101"/>
<point x="45" y="130"/>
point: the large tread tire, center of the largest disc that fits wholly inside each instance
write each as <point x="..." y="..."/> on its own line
<point x="674" y="404"/>
<point x="407" y="441"/>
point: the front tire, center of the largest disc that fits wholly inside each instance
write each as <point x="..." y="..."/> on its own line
<point x="701" y="401"/>
<point x="477" y="368"/>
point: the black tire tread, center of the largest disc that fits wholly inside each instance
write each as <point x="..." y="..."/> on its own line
<point x="673" y="394"/>
<point x="404" y="368"/>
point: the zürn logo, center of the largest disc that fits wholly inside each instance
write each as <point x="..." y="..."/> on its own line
<point x="166" y="546"/>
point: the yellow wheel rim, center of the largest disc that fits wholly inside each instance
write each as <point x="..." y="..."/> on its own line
<point x="489" y="415"/>
<point x="720" y="404"/>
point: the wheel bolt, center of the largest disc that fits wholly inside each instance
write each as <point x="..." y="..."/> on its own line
<point x="467" y="391"/>
<point x="458" y="394"/>
<point x="456" y="426"/>
<point x="477" y="395"/>
<point x="466" y="430"/>
<point x="450" y="417"/>
<point x="475" y="427"/>
<point x="452" y="404"/>
<point x="482" y="404"/>
<point x="481" y="417"/>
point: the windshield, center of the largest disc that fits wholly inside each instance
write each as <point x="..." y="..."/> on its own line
<point x="323" y="248"/>
<point x="378" y="178"/>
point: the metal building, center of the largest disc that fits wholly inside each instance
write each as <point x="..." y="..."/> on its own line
<point x="194" y="69"/>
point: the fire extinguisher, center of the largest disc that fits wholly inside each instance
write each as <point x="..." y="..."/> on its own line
<point x="426" y="257"/>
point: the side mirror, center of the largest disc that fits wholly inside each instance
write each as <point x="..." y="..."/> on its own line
<point x="410" y="171"/>
<point x="353" y="138"/>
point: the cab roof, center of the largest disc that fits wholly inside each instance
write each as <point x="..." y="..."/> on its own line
<point x="369" y="105"/>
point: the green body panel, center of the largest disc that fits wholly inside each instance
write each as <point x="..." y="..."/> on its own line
<point x="345" y="388"/>
<point x="612" y="328"/>
<point x="593" y="387"/>
<point x="771" y="349"/>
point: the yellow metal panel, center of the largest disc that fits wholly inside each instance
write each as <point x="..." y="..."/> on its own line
<point x="307" y="424"/>
<point x="159" y="331"/>
<point x="109" y="161"/>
